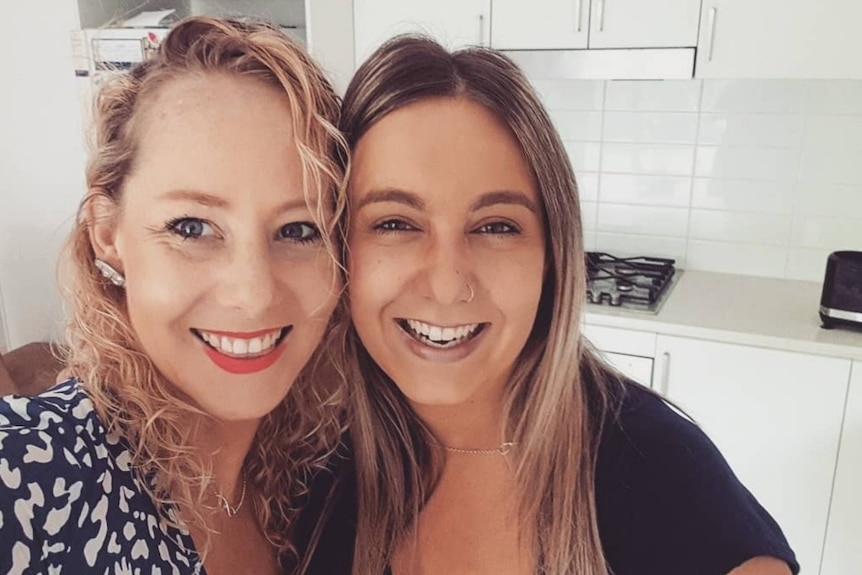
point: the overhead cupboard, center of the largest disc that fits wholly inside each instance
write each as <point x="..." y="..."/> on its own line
<point x="700" y="38"/>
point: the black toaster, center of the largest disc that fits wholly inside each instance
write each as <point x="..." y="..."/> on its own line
<point x="841" y="300"/>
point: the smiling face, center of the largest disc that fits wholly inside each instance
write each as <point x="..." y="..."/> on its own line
<point x="228" y="284"/>
<point x="447" y="250"/>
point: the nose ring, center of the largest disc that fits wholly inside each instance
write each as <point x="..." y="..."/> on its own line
<point x="469" y="299"/>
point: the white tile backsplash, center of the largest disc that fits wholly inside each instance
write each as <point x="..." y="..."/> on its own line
<point x="588" y="186"/>
<point x="570" y="94"/>
<point x="755" y="96"/>
<point x="769" y="130"/>
<point x="767" y="164"/>
<point x="650" y="127"/>
<point x="749" y="259"/>
<point x="663" y="96"/>
<point x="647" y="159"/>
<point x="648" y="220"/>
<point x="742" y="196"/>
<point x="646" y="190"/>
<point x="760" y="177"/>
<point x="577" y="125"/>
<point x="768" y="229"/>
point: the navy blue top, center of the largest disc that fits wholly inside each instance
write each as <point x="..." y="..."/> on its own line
<point x="70" y="502"/>
<point x="667" y="502"/>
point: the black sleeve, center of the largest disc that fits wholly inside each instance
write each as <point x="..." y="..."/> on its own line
<point x="325" y="530"/>
<point x="667" y="501"/>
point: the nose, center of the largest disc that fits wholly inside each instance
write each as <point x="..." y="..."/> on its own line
<point x="249" y="283"/>
<point x="446" y="272"/>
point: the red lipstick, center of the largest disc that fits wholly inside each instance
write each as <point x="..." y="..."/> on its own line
<point x="246" y="365"/>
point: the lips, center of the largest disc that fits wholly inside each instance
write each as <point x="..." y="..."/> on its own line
<point x="440" y="337"/>
<point x="243" y="352"/>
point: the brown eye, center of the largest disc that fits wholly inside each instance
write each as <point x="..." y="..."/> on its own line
<point x="497" y="228"/>
<point x="394" y="226"/>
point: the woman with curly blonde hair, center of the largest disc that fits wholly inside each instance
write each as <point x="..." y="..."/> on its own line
<point x="202" y="282"/>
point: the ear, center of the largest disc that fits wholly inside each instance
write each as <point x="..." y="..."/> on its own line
<point x="102" y="216"/>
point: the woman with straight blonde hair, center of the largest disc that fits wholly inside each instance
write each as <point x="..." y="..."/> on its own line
<point x="202" y="280"/>
<point x="487" y="437"/>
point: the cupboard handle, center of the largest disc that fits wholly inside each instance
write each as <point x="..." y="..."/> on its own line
<point x="601" y="15"/>
<point x="578" y="14"/>
<point x="710" y="42"/>
<point x="481" y="29"/>
<point x="664" y="382"/>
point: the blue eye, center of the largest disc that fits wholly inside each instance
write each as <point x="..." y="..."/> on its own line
<point x="189" y="228"/>
<point x="300" y="232"/>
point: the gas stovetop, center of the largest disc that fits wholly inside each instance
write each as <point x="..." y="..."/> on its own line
<point x="637" y="283"/>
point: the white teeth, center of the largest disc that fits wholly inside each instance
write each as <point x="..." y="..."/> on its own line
<point x="255" y="345"/>
<point x="226" y="345"/>
<point x="441" y="336"/>
<point x="236" y="346"/>
<point x="240" y="347"/>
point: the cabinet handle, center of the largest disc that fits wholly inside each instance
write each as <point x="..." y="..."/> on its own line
<point x="601" y="15"/>
<point x="664" y="382"/>
<point x="481" y="29"/>
<point x="578" y="13"/>
<point x="710" y="42"/>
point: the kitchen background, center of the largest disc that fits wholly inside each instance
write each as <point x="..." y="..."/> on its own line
<point x="748" y="162"/>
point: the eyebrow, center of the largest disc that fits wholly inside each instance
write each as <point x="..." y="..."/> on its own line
<point x="504" y="197"/>
<point x="214" y="201"/>
<point x="414" y="201"/>
<point x="392" y="195"/>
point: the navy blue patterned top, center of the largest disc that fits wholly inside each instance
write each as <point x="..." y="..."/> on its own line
<point x="70" y="501"/>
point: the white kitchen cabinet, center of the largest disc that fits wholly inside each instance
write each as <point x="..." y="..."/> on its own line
<point x="843" y="551"/>
<point x="570" y="24"/>
<point x="775" y="416"/>
<point x="541" y="24"/>
<point x="780" y="39"/>
<point x="629" y="351"/>
<point x="455" y="23"/>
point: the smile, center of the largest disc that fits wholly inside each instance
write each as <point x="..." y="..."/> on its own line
<point x="246" y="352"/>
<point x="243" y="345"/>
<point x="440" y="336"/>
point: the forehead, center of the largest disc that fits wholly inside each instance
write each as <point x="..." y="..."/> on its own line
<point x="438" y="146"/>
<point x="217" y="133"/>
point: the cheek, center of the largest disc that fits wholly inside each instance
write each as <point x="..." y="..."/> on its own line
<point x="314" y="285"/>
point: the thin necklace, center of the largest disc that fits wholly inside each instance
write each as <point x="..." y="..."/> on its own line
<point x="504" y="449"/>
<point x="231" y="510"/>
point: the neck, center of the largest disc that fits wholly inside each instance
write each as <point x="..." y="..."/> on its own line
<point x="225" y="445"/>
<point x="475" y="424"/>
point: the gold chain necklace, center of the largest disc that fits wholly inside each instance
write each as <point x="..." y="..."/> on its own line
<point x="232" y="510"/>
<point x="504" y="449"/>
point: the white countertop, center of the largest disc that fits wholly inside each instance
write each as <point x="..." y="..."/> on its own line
<point x="764" y="312"/>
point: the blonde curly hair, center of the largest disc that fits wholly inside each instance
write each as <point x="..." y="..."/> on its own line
<point x="130" y="395"/>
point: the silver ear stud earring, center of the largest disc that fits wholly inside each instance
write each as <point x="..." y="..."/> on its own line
<point x="110" y="274"/>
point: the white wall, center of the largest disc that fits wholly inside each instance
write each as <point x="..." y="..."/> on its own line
<point x="743" y="176"/>
<point x="41" y="162"/>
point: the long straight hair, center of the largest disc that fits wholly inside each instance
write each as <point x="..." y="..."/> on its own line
<point x="559" y="393"/>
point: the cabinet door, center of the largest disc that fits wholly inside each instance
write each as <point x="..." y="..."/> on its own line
<point x="540" y="24"/>
<point x="843" y="552"/>
<point x="643" y="23"/>
<point x="775" y="416"/>
<point x="780" y="39"/>
<point x="455" y="23"/>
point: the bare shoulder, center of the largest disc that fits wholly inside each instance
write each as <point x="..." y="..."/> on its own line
<point x="762" y="566"/>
